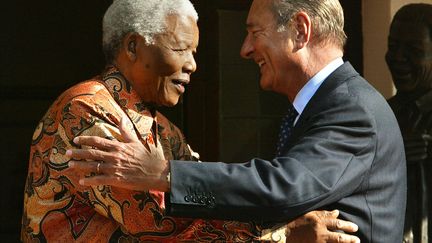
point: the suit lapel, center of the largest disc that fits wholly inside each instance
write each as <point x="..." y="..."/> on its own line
<point x="335" y="79"/>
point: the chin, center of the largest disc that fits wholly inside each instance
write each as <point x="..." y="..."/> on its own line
<point x="170" y="102"/>
<point x="265" y="85"/>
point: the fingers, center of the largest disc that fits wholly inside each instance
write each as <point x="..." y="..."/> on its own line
<point x="333" y="213"/>
<point x="339" y="224"/>
<point x="87" y="166"/>
<point x="127" y="131"/>
<point x="336" y="237"/>
<point x="99" y="180"/>
<point x="333" y="223"/>
<point x="427" y="137"/>
<point x="97" y="142"/>
<point x="89" y="154"/>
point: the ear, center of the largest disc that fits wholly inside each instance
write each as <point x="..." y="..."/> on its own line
<point x="302" y="29"/>
<point x="130" y="45"/>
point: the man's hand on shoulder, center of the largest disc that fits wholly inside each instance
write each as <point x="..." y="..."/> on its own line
<point x="127" y="164"/>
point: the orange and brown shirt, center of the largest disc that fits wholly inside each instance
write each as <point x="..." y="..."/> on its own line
<point x="58" y="209"/>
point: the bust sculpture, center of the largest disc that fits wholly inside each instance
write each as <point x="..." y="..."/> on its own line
<point x="409" y="58"/>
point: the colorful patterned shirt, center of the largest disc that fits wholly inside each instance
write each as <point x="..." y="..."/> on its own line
<point x="58" y="209"/>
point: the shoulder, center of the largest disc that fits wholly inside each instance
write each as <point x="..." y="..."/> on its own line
<point x="90" y="94"/>
<point x="91" y="89"/>
<point x="84" y="104"/>
<point x="354" y="105"/>
<point x="351" y="93"/>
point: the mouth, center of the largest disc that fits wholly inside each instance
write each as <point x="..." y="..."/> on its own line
<point x="401" y="72"/>
<point x="180" y="84"/>
<point x="261" y="63"/>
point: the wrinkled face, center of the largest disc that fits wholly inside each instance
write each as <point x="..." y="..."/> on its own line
<point x="162" y="71"/>
<point x="270" y="49"/>
<point x="409" y="56"/>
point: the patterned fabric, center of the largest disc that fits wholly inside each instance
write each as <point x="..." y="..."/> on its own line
<point x="57" y="209"/>
<point x="285" y="129"/>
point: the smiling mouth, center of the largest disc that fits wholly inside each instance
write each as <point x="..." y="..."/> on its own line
<point x="181" y="82"/>
<point x="261" y="63"/>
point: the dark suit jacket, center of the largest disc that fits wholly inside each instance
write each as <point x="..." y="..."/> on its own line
<point x="346" y="152"/>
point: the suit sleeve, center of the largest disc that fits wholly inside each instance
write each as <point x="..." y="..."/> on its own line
<point x="327" y="162"/>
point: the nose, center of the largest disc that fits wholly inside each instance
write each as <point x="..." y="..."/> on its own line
<point x="247" y="48"/>
<point x="190" y="65"/>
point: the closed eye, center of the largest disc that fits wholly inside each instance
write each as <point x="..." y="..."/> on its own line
<point x="181" y="51"/>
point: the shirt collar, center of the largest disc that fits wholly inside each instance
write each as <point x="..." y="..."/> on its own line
<point x="303" y="97"/>
<point x="123" y="93"/>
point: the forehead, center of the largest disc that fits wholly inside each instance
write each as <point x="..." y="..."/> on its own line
<point x="404" y="30"/>
<point x="181" y="29"/>
<point x="260" y="13"/>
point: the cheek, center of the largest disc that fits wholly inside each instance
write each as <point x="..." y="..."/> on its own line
<point x="165" y="69"/>
<point x="168" y="64"/>
<point x="424" y="72"/>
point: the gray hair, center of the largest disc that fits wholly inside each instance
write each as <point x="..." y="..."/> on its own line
<point x="144" y="17"/>
<point x="326" y="15"/>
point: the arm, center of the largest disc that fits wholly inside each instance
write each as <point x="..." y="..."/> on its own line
<point x="327" y="163"/>
<point x="315" y="226"/>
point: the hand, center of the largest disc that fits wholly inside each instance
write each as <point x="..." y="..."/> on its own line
<point x="127" y="164"/>
<point x="320" y="227"/>
<point x="416" y="147"/>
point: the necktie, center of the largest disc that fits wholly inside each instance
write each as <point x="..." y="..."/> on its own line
<point x="285" y="129"/>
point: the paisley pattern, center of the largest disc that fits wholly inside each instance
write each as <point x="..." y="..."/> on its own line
<point x="58" y="209"/>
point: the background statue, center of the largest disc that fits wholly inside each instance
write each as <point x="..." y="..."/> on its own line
<point x="409" y="58"/>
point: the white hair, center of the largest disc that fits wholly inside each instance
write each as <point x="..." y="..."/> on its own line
<point x="145" y="17"/>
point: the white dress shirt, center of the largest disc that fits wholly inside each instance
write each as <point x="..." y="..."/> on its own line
<point x="305" y="94"/>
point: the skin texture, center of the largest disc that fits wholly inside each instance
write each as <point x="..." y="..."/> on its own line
<point x="316" y="227"/>
<point x="160" y="72"/>
<point x="275" y="52"/>
<point x="268" y="54"/>
<point x="129" y="165"/>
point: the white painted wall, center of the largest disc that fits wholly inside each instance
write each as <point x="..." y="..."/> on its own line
<point x="377" y="15"/>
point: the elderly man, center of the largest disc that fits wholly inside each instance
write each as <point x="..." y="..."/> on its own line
<point x="340" y="146"/>
<point x="409" y="58"/>
<point x="149" y="47"/>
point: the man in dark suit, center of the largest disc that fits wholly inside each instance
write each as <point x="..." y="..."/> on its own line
<point x="340" y="147"/>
